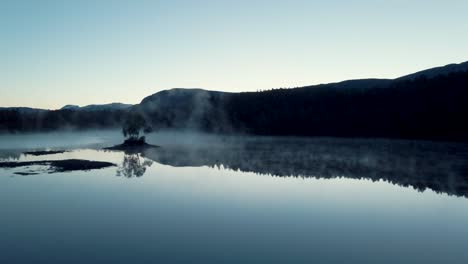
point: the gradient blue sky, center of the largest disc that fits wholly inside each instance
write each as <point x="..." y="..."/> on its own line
<point x="54" y="53"/>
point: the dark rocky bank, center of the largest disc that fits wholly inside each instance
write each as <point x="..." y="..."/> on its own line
<point x="45" y="152"/>
<point x="61" y="165"/>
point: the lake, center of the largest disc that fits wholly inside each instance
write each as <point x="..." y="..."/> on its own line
<point x="232" y="199"/>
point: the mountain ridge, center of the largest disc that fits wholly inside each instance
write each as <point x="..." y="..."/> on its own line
<point x="430" y="104"/>
<point x="365" y="82"/>
<point x="97" y="107"/>
<point x="436" y="71"/>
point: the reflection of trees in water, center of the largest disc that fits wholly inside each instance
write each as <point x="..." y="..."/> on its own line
<point x="9" y="155"/>
<point x="442" y="167"/>
<point x="133" y="165"/>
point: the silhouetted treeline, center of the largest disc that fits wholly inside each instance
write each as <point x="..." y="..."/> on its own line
<point x="420" y="107"/>
<point x="13" y="120"/>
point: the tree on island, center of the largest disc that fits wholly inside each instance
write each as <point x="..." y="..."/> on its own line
<point x="133" y="126"/>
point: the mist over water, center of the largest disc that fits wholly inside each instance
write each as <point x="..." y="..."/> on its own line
<point x="231" y="199"/>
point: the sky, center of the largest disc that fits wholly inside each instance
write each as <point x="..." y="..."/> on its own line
<point x="54" y="53"/>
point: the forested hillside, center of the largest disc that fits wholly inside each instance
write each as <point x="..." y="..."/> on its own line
<point x="419" y="107"/>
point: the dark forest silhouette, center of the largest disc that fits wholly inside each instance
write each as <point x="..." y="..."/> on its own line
<point x="418" y="108"/>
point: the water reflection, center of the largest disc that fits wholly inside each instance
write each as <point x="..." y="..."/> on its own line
<point x="202" y="214"/>
<point x="441" y="167"/>
<point x="133" y="165"/>
<point x="10" y="155"/>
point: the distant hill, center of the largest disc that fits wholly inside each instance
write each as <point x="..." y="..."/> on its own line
<point x="23" y="109"/>
<point x="94" y="107"/>
<point x="433" y="72"/>
<point x="70" y="107"/>
<point x="431" y="107"/>
<point x="407" y="107"/>
<point x="184" y="108"/>
<point x="355" y="84"/>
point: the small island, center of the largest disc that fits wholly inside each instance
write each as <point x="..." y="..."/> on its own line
<point x="134" y="125"/>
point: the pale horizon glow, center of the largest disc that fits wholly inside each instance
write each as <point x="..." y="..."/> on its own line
<point x="55" y="53"/>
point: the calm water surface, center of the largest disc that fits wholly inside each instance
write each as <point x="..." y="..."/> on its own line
<point x="206" y="199"/>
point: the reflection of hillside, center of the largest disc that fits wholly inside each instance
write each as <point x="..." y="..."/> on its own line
<point x="422" y="165"/>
